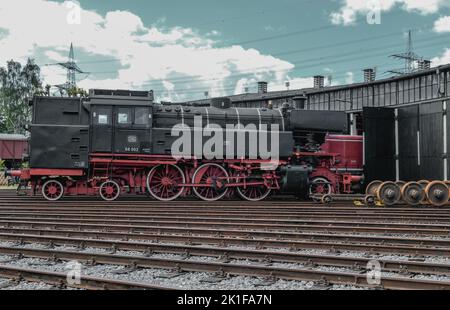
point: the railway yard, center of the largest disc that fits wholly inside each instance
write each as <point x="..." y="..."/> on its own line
<point x="137" y="243"/>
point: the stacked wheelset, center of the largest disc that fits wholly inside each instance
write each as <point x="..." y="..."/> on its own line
<point x="423" y="192"/>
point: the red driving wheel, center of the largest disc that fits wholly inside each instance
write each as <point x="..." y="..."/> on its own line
<point x="165" y="182"/>
<point x="109" y="190"/>
<point x="213" y="178"/>
<point x="52" y="190"/>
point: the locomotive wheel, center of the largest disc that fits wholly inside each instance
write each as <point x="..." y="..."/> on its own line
<point x="400" y="184"/>
<point x="437" y="193"/>
<point x="163" y="182"/>
<point x="369" y="200"/>
<point x="372" y="188"/>
<point x="109" y="190"/>
<point x="213" y="175"/>
<point x="413" y="193"/>
<point x="52" y="190"/>
<point x="320" y="186"/>
<point x="326" y="199"/>
<point x="424" y="184"/>
<point x="389" y="193"/>
<point x="253" y="193"/>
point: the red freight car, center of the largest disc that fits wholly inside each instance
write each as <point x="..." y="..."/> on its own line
<point x="12" y="149"/>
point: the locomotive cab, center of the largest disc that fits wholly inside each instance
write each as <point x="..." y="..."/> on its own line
<point x="120" y="124"/>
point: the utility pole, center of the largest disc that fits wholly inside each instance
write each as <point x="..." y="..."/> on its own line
<point x="72" y="70"/>
<point x="408" y="56"/>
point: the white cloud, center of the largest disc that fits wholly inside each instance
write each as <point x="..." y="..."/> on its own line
<point x="350" y="9"/>
<point x="349" y="78"/>
<point x="441" y="60"/>
<point x="295" y="83"/>
<point x="147" y="54"/>
<point x="55" y="56"/>
<point x="442" y="24"/>
<point x="169" y="86"/>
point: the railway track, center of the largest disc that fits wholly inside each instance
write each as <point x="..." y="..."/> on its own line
<point x="197" y="223"/>
<point x="91" y="238"/>
<point x="222" y="269"/>
<point x="225" y="254"/>
<point x="58" y="279"/>
<point x="243" y="239"/>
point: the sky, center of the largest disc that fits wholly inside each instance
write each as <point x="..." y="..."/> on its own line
<point x="182" y="49"/>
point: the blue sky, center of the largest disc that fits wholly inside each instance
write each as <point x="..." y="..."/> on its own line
<point x="183" y="48"/>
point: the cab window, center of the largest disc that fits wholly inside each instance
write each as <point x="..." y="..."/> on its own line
<point x="142" y="116"/>
<point x="124" y="116"/>
<point x="102" y="117"/>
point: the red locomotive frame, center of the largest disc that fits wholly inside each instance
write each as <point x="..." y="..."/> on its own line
<point x="334" y="169"/>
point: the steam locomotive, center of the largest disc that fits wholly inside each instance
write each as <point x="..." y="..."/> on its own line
<point x="116" y="142"/>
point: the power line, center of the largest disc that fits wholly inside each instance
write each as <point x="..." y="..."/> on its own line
<point x="262" y="39"/>
<point x="333" y="59"/>
<point x="308" y="61"/>
<point x="188" y="90"/>
<point x="383" y="36"/>
<point x="233" y="86"/>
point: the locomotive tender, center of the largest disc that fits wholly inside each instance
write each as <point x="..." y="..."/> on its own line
<point x="119" y="141"/>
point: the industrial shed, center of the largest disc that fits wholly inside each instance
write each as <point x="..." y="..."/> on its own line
<point x="403" y="119"/>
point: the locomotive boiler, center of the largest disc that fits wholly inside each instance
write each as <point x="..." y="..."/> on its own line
<point x="116" y="142"/>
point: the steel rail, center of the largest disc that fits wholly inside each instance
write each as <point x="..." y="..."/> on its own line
<point x="176" y="226"/>
<point x="283" y="235"/>
<point x="275" y="223"/>
<point x="299" y="274"/>
<point x="310" y="260"/>
<point x="211" y="215"/>
<point x="141" y="232"/>
<point x="86" y="238"/>
<point x="260" y="213"/>
<point x="310" y="226"/>
<point x="299" y="223"/>
<point x="288" y="206"/>
<point x="59" y="279"/>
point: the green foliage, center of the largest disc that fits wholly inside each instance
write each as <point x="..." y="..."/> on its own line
<point x="77" y="92"/>
<point x="18" y="84"/>
<point x="2" y="165"/>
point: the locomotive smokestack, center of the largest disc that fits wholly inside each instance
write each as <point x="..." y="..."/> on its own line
<point x="262" y="87"/>
<point x="369" y="75"/>
<point x="319" y="81"/>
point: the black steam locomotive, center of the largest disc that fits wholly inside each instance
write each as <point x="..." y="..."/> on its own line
<point x="120" y="141"/>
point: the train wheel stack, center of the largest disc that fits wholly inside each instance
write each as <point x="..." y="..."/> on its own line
<point x="423" y="192"/>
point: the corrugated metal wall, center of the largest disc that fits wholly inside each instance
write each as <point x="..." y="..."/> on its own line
<point x="404" y="90"/>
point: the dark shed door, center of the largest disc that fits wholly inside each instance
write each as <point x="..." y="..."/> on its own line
<point x="431" y="141"/>
<point x="379" y="137"/>
<point x="408" y="124"/>
<point x="102" y="129"/>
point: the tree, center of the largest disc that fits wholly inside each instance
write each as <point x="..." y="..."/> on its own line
<point x="77" y="92"/>
<point x="17" y="85"/>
